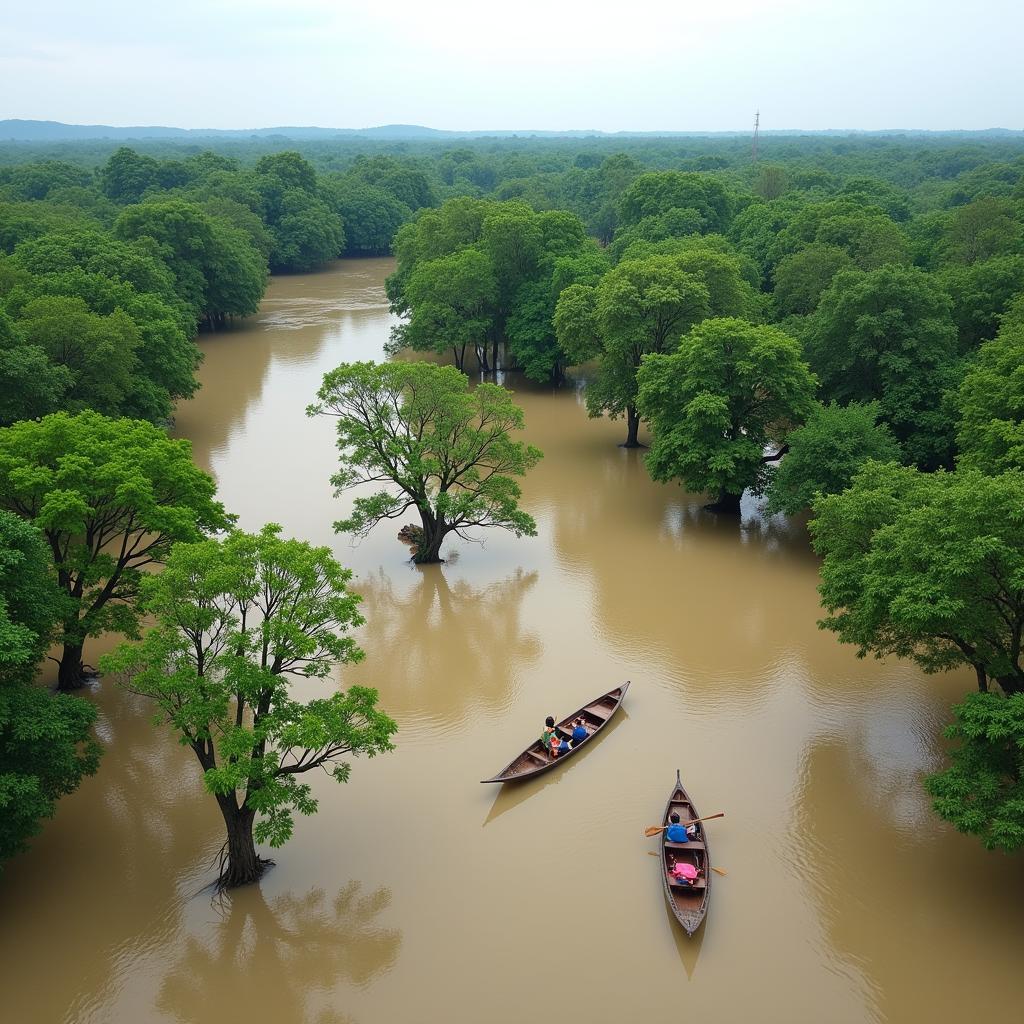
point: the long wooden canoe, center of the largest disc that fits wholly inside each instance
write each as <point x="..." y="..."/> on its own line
<point x="688" y="903"/>
<point x="535" y="760"/>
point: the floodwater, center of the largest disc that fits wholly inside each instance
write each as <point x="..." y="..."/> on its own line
<point x="417" y="894"/>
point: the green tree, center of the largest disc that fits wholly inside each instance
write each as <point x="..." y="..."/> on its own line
<point x="307" y="233"/>
<point x="127" y="176"/>
<point x="715" y="405"/>
<point x="45" y="742"/>
<point x="927" y="566"/>
<point x="887" y="335"/>
<point x="982" y="792"/>
<point x="981" y="293"/>
<point x="446" y="449"/>
<point x="98" y="351"/>
<point x="826" y="452"/>
<point x="990" y="399"/>
<point x="371" y="216"/>
<point x="639" y="307"/>
<point x="239" y="621"/>
<point x="452" y="301"/>
<point x="654" y="194"/>
<point x="30" y="385"/>
<point x="801" y="277"/>
<point x="980" y="230"/>
<point x="110" y="497"/>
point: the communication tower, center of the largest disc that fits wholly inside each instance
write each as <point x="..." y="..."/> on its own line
<point x="757" y="125"/>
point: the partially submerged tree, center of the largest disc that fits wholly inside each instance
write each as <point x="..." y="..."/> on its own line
<point x="826" y="452"/>
<point x="110" y="497"/>
<point x="445" y="450"/>
<point x="46" y="745"/>
<point x="640" y="307"/>
<point x="730" y="391"/>
<point x="240" y="621"/>
<point x="927" y="566"/>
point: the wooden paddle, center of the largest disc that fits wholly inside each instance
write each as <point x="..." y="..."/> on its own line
<point x="717" y="871"/>
<point x="653" y="830"/>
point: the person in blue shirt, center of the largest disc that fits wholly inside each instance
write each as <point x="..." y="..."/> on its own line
<point x="579" y="732"/>
<point x="676" y="833"/>
<point x="561" y="748"/>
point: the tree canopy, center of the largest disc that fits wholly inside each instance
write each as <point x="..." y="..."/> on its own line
<point x="110" y="496"/>
<point x="442" y="448"/>
<point x="715" y="405"/>
<point x="927" y="566"/>
<point x="240" y="621"/>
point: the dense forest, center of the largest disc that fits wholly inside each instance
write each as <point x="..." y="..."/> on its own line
<point x="837" y="325"/>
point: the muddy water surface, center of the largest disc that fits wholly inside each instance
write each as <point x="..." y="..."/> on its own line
<point x="417" y="894"/>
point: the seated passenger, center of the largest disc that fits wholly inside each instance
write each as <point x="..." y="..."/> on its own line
<point x="579" y="732"/>
<point x="560" y="747"/>
<point x="676" y="833"/>
<point x="682" y="872"/>
<point x="549" y="735"/>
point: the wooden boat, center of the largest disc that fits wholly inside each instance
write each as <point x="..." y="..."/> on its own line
<point x="535" y="759"/>
<point x="689" y="903"/>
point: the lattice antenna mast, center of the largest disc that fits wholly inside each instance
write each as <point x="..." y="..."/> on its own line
<point x="757" y="126"/>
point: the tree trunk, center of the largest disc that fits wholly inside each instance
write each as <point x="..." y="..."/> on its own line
<point x="1011" y="684"/>
<point x="429" y="550"/>
<point x="494" y="355"/>
<point x="982" y="679"/>
<point x="632" y="426"/>
<point x="727" y="504"/>
<point x="70" y="674"/>
<point x="241" y="865"/>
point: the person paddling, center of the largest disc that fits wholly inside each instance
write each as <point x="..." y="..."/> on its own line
<point x="677" y="833"/>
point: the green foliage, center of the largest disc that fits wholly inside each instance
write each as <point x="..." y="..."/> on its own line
<point x="111" y="497"/>
<point x="826" y="452"/>
<point x="217" y="270"/>
<point x="45" y="743"/>
<point x="97" y="351"/>
<point x="981" y="293"/>
<point x="127" y="177"/>
<point x="238" y="621"/>
<point x="990" y="435"/>
<point x="306" y="232"/>
<point x="927" y="566"/>
<point x="452" y="299"/>
<point x="887" y="335"/>
<point x="801" y="277"/>
<point x="371" y="216"/>
<point x="982" y="792"/>
<point x="448" y="450"/>
<point x="30" y="385"/>
<point x="982" y="229"/>
<point x="714" y="405"/>
<point x="655" y="194"/>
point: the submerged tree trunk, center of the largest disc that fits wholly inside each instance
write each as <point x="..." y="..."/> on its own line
<point x="429" y="552"/>
<point x="434" y="531"/>
<point x="727" y="504"/>
<point x="494" y="355"/>
<point x="632" y="427"/>
<point x="240" y="864"/>
<point x="71" y="673"/>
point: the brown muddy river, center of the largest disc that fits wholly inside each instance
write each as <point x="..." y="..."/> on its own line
<point x="417" y="894"/>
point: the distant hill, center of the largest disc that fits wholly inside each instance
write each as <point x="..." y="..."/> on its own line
<point x="16" y="130"/>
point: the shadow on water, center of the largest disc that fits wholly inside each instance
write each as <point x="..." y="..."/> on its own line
<point x="306" y="943"/>
<point x="512" y="794"/>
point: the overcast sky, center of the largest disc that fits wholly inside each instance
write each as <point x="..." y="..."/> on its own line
<point x="676" y="65"/>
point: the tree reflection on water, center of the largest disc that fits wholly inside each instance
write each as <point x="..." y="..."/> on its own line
<point x="280" y="958"/>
